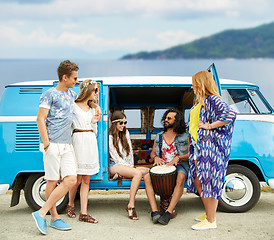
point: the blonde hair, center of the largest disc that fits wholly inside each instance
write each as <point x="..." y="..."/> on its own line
<point x="86" y="88"/>
<point x="206" y="86"/>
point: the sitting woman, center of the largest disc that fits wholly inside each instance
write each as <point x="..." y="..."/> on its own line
<point x="121" y="158"/>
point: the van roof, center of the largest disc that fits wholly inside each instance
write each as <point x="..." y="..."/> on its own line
<point x="137" y="80"/>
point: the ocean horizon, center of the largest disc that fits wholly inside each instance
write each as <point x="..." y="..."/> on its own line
<point x="257" y="71"/>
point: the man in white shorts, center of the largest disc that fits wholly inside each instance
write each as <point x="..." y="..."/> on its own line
<point x="54" y="121"/>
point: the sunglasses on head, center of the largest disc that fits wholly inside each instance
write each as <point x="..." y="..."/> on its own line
<point x="169" y="118"/>
<point x="123" y="122"/>
<point x="95" y="90"/>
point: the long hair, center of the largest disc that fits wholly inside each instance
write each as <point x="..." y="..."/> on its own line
<point x="119" y="135"/>
<point x="86" y="88"/>
<point x="206" y="86"/>
<point x="179" y="124"/>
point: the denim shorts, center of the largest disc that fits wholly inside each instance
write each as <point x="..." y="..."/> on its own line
<point x="111" y="163"/>
<point x="183" y="166"/>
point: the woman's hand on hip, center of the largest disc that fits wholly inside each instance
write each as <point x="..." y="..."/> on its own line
<point x="204" y="125"/>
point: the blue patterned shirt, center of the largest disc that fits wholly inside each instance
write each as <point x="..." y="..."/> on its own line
<point x="60" y="116"/>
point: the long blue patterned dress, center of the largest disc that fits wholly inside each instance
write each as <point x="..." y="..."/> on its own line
<point x="213" y="149"/>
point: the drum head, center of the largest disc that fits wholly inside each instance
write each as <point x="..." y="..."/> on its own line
<point x="163" y="169"/>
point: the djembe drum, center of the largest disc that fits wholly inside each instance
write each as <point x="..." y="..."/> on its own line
<point x="163" y="179"/>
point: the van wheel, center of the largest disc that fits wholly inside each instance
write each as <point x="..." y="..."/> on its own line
<point x="241" y="190"/>
<point x="35" y="193"/>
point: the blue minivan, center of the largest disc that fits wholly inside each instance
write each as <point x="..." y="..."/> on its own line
<point x="144" y="100"/>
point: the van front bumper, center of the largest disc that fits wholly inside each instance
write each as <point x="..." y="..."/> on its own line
<point x="4" y="188"/>
<point x="271" y="183"/>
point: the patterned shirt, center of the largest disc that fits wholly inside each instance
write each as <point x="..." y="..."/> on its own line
<point x="168" y="151"/>
<point x="213" y="149"/>
<point x="60" y="116"/>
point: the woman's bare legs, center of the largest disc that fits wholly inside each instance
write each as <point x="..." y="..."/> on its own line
<point x="210" y="204"/>
<point x="129" y="172"/>
<point x="84" y="190"/>
<point x="149" y="188"/>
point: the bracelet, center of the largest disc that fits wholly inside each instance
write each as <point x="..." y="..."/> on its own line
<point x="154" y="157"/>
<point x="46" y="147"/>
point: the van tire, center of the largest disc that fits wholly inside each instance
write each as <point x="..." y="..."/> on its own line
<point x="242" y="197"/>
<point x="34" y="191"/>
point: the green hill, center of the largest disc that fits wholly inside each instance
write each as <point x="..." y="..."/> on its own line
<point x="255" y="42"/>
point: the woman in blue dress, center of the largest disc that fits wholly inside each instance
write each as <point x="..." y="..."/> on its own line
<point x="210" y="128"/>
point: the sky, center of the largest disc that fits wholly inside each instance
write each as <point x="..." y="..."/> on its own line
<point x="109" y="29"/>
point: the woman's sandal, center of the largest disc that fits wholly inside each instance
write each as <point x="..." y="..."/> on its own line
<point x="87" y="218"/>
<point x="132" y="213"/>
<point x="117" y="177"/>
<point x="71" y="211"/>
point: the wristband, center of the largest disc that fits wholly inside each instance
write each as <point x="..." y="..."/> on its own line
<point x="46" y="147"/>
<point x="154" y="157"/>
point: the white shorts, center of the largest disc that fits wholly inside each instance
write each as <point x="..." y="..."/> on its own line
<point x="59" y="159"/>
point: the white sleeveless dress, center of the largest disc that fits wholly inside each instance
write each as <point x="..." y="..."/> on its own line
<point x="85" y="143"/>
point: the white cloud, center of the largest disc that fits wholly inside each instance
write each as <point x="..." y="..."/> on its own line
<point x="70" y="26"/>
<point x="89" y="8"/>
<point x="125" y="25"/>
<point x="172" y="38"/>
<point x="11" y="37"/>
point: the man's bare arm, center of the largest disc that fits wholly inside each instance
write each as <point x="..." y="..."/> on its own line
<point x="41" y="117"/>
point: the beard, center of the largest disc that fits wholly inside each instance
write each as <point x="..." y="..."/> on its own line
<point x="168" y="125"/>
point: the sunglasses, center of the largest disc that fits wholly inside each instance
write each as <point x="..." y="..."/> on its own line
<point x="169" y="118"/>
<point x="121" y="123"/>
<point x="95" y="90"/>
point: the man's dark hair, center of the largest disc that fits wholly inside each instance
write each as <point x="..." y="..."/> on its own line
<point x="66" y="68"/>
<point x="179" y="124"/>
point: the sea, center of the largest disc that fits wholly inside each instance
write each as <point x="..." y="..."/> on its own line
<point x="258" y="71"/>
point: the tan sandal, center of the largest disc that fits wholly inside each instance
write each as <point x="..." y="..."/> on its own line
<point x="70" y="211"/>
<point x="132" y="213"/>
<point x="117" y="177"/>
<point x="87" y="218"/>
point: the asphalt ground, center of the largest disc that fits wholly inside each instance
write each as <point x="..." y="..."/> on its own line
<point x="109" y="209"/>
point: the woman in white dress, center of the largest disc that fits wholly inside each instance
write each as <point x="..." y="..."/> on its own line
<point x="121" y="159"/>
<point x="86" y="114"/>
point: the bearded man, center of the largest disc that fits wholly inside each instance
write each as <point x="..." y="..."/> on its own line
<point x="170" y="148"/>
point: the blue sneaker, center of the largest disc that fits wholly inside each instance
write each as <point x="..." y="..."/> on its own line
<point x="41" y="222"/>
<point x="60" y="225"/>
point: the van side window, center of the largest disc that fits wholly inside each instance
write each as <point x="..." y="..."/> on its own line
<point x="133" y="118"/>
<point x="244" y="101"/>
<point x="259" y="101"/>
<point x="158" y="117"/>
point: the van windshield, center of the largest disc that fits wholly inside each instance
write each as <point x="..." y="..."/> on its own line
<point x="245" y="101"/>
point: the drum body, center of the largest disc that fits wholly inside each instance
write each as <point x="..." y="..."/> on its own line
<point x="163" y="180"/>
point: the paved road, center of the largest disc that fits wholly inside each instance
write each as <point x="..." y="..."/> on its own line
<point x="258" y="223"/>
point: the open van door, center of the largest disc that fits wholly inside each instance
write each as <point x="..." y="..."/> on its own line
<point x="212" y="69"/>
<point x="100" y="135"/>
